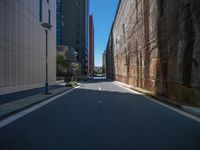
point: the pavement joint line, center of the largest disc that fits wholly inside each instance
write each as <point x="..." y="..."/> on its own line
<point x="180" y="111"/>
<point x="22" y="113"/>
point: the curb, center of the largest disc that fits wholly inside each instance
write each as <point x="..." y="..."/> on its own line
<point x="30" y="105"/>
<point x="161" y="99"/>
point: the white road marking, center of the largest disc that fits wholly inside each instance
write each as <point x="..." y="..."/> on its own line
<point x="121" y="85"/>
<point x="16" y="116"/>
<point x="186" y="114"/>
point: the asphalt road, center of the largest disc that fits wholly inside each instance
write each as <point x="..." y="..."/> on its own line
<point x="101" y="116"/>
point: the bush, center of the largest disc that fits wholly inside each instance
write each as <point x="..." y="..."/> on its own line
<point x="72" y="84"/>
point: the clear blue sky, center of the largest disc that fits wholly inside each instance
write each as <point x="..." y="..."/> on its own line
<point x="103" y="13"/>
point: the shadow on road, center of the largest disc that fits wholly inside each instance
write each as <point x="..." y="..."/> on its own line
<point x="114" y="119"/>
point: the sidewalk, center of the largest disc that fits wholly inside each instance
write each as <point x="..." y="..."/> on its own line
<point x="15" y="102"/>
<point x="6" y="98"/>
<point x="192" y="110"/>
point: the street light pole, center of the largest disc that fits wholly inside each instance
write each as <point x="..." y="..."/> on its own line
<point x="46" y="83"/>
<point x="47" y="27"/>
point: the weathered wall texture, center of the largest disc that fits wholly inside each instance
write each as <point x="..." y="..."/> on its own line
<point x="109" y="67"/>
<point x="156" y="46"/>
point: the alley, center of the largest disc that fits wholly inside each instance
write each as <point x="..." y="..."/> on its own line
<point x="100" y="115"/>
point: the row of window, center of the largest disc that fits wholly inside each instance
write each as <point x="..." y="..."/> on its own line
<point x="77" y="23"/>
<point x="40" y="12"/>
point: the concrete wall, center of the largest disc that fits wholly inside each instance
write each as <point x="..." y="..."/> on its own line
<point x="22" y="44"/>
<point x="156" y="47"/>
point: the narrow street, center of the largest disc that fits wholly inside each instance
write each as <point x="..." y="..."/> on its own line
<point x="101" y="115"/>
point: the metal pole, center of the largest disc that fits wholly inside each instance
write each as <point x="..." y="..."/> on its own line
<point x="46" y="84"/>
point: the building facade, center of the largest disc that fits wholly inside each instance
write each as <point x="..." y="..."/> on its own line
<point x="104" y="63"/>
<point x="108" y="63"/>
<point x="91" y="47"/>
<point x="156" y="47"/>
<point x="59" y="22"/>
<point x="23" y="44"/>
<point x="73" y="28"/>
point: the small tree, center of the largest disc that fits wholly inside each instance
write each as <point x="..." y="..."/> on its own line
<point x="75" y="67"/>
<point x="60" y="64"/>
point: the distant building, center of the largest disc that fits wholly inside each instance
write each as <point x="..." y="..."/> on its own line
<point x="23" y="44"/>
<point x="59" y="22"/>
<point x="91" y="48"/>
<point x="73" y="28"/>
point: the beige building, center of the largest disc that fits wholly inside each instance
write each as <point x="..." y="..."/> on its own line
<point x="23" y="44"/>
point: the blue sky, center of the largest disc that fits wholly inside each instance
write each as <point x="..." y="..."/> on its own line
<point x="103" y="12"/>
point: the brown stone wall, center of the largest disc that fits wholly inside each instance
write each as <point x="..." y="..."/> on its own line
<point x="135" y="44"/>
<point x="156" y="46"/>
<point x="109" y="59"/>
<point x="179" y="49"/>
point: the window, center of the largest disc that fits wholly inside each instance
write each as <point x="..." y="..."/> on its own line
<point x="49" y="17"/>
<point x="77" y="41"/>
<point x="77" y="2"/>
<point x="77" y="33"/>
<point x="40" y="10"/>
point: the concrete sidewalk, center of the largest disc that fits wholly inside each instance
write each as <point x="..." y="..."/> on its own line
<point x="7" y="98"/>
<point x="192" y="110"/>
<point x="16" y="102"/>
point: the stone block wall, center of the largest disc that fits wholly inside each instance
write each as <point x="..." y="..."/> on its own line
<point x="156" y="46"/>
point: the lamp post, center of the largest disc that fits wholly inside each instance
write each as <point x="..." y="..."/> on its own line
<point x="75" y="54"/>
<point x="83" y="69"/>
<point x="47" y="27"/>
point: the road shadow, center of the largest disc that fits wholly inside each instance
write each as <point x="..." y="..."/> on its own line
<point x="102" y="120"/>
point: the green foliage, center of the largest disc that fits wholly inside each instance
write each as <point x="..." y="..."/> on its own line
<point x="75" y="66"/>
<point x="72" y="84"/>
<point x="63" y="66"/>
<point x="67" y="68"/>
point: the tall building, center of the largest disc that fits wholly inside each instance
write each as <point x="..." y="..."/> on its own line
<point x="73" y="28"/>
<point x="59" y="22"/>
<point x="91" y="47"/>
<point x="23" y="44"/>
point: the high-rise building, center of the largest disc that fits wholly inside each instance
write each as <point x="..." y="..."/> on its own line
<point x="91" y="47"/>
<point x="73" y="28"/>
<point x="23" y="44"/>
<point x="59" y="22"/>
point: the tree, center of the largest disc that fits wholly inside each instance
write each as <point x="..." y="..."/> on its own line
<point x="75" y="67"/>
<point x="60" y="65"/>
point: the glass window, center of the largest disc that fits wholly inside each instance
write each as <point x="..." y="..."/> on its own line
<point x="49" y="17"/>
<point x="40" y="10"/>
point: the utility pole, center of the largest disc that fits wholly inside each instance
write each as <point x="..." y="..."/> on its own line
<point x="47" y="27"/>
